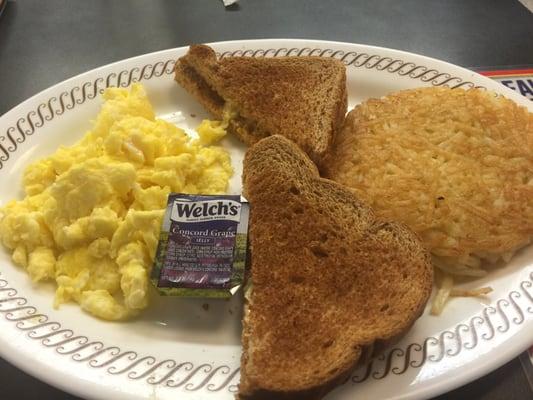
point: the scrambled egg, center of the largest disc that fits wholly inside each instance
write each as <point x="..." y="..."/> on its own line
<point x="92" y="212"/>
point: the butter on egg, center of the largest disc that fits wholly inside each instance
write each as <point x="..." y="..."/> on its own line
<point x="92" y="212"/>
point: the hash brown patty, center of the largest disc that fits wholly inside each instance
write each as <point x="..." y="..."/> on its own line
<point x="454" y="165"/>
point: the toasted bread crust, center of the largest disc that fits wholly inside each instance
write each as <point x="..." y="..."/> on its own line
<point x="329" y="279"/>
<point x="301" y="98"/>
<point x="187" y="77"/>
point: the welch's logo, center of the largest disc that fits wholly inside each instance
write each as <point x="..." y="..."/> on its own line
<point x="186" y="210"/>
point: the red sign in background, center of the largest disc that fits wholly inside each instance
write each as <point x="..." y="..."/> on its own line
<point x="520" y="79"/>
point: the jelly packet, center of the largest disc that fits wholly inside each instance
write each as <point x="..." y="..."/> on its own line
<point x="202" y="246"/>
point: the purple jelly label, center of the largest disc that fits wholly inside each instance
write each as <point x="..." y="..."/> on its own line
<point x="200" y="245"/>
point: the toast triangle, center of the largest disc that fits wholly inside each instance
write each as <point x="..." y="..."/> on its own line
<point x="329" y="280"/>
<point x="301" y="98"/>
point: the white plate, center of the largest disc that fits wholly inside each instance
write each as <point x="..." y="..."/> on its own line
<point x="176" y="349"/>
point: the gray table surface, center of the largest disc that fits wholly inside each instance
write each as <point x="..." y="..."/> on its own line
<point x="45" y="42"/>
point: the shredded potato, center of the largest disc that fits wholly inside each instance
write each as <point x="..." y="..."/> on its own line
<point x="455" y="166"/>
<point x="459" y="270"/>
<point x="472" y="292"/>
<point x="442" y="295"/>
<point x="445" y="290"/>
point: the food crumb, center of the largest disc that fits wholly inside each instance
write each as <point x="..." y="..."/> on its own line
<point x="205" y="306"/>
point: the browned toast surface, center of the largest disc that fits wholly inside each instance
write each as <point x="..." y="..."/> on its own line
<point x="328" y="278"/>
<point x="301" y="98"/>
